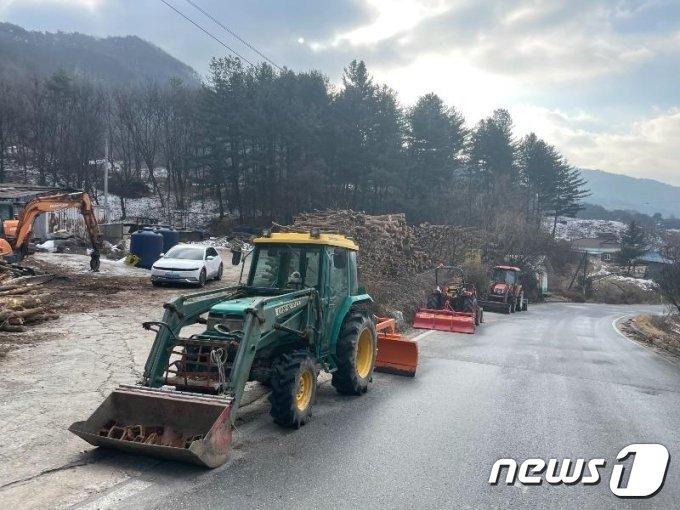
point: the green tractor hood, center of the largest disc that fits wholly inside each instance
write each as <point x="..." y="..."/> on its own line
<point x="234" y="306"/>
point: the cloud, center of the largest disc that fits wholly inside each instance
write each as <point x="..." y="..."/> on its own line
<point x="647" y="147"/>
<point x="86" y="4"/>
<point x="391" y="18"/>
<point x="533" y="41"/>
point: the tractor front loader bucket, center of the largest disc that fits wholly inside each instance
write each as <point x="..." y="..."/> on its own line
<point x="171" y="425"/>
<point x="396" y="354"/>
<point x="445" y="320"/>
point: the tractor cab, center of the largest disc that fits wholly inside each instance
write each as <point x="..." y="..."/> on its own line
<point x="505" y="274"/>
<point x="505" y="292"/>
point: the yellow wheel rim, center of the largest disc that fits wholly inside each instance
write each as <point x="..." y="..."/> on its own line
<point x="364" y="353"/>
<point x="304" y="390"/>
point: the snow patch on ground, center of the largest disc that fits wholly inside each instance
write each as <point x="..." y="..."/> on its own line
<point x="575" y="228"/>
<point x="80" y="264"/>
<point x="642" y="283"/>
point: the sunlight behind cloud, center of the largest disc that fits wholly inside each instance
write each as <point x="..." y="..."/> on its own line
<point x="472" y="91"/>
<point x="392" y="17"/>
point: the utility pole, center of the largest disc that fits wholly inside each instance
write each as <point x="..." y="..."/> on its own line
<point x="106" y="178"/>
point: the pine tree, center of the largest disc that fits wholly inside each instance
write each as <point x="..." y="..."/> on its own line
<point x="632" y="245"/>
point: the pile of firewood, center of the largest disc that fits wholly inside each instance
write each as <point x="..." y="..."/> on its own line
<point x="395" y="259"/>
<point x="390" y="246"/>
<point x="22" y="302"/>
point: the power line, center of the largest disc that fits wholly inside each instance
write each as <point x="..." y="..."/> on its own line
<point x="205" y="31"/>
<point x="227" y="29"/>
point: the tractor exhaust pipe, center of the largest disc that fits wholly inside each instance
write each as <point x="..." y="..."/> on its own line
<point x="170" y="425"/>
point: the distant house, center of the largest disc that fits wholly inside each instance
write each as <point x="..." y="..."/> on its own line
<point x="606" y="246"/>
<point x="654" y="263"/>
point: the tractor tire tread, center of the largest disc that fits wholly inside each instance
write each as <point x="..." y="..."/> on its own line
<point x="283" y="384"/>
<point x="345" y="379"/>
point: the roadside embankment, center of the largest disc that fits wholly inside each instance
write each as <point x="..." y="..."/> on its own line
<point x="660" y="331"/>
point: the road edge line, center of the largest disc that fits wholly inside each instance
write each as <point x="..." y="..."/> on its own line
<point x="614" y="325"/>
<point x="422" y="335"/>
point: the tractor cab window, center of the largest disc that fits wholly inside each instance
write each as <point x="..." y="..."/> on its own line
<point x="285" y="267"/>
<point x="339" y="273"/>
<point x="503" y="275"/>
<point x="312" y="263"/>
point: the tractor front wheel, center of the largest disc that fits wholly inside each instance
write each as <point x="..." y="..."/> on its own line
<point x="293" y="384"/>
<point x="356" y="353"/>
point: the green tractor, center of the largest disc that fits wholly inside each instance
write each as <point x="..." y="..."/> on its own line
<point x="300" y="311"/>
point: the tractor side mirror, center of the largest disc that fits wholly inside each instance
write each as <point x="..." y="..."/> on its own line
<point x="235" y="258"/>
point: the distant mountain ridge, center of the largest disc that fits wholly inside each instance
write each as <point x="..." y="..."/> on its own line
<point x="616" y="191"/>
<point x="109" y="60"/>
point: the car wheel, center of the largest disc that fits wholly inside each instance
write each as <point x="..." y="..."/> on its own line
<point x="202" y="278"/>
<point x="219" y="273"/>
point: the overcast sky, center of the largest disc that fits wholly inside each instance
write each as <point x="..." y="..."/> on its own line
<point x="598" y="78"/>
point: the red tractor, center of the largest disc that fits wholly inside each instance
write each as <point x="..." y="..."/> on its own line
<point x="505" y="292"/>
<point x="452" y="306"/>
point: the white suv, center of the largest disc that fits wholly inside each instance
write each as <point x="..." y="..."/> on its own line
<point x="187" y="263"/>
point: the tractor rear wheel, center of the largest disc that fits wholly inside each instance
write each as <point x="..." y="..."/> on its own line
<point x="356" y="352"/>
<point x="293" y="384"/>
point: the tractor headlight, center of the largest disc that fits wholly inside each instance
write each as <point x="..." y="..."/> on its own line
<point x="233" y="323"/>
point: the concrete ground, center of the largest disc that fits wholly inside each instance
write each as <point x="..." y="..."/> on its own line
<point x="558" y="381"/>
<point x="61" y="376"/>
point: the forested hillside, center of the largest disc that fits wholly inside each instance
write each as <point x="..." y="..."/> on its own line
<point x="111" y="60"/>
<point x="260" y="145"/>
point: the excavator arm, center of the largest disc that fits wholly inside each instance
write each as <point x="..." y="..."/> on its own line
<point x="19" y="234"/>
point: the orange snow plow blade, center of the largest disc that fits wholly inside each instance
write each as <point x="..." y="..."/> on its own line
<point x="396" y="354"/>
<point x="444" y="320"/>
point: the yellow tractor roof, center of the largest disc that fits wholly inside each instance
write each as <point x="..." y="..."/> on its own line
<point x="306" y="238"/>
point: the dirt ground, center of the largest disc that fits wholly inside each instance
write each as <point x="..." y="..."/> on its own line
<point x="61" y="370"/>
<point x="661" y="332"/>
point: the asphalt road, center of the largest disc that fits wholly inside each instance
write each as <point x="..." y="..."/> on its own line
<point x="555" y="382"/>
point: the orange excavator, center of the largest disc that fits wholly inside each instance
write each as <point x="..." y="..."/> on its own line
<point x="17" y="233"/>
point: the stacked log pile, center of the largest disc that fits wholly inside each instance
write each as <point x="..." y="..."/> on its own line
<point x="395" y="258"/>
<point x="22" y="301"/>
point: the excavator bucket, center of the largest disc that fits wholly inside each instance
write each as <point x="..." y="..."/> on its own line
<point x="186" y="427"/>
<point x="396" y="354"/>
<point x="445" y="320"/>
